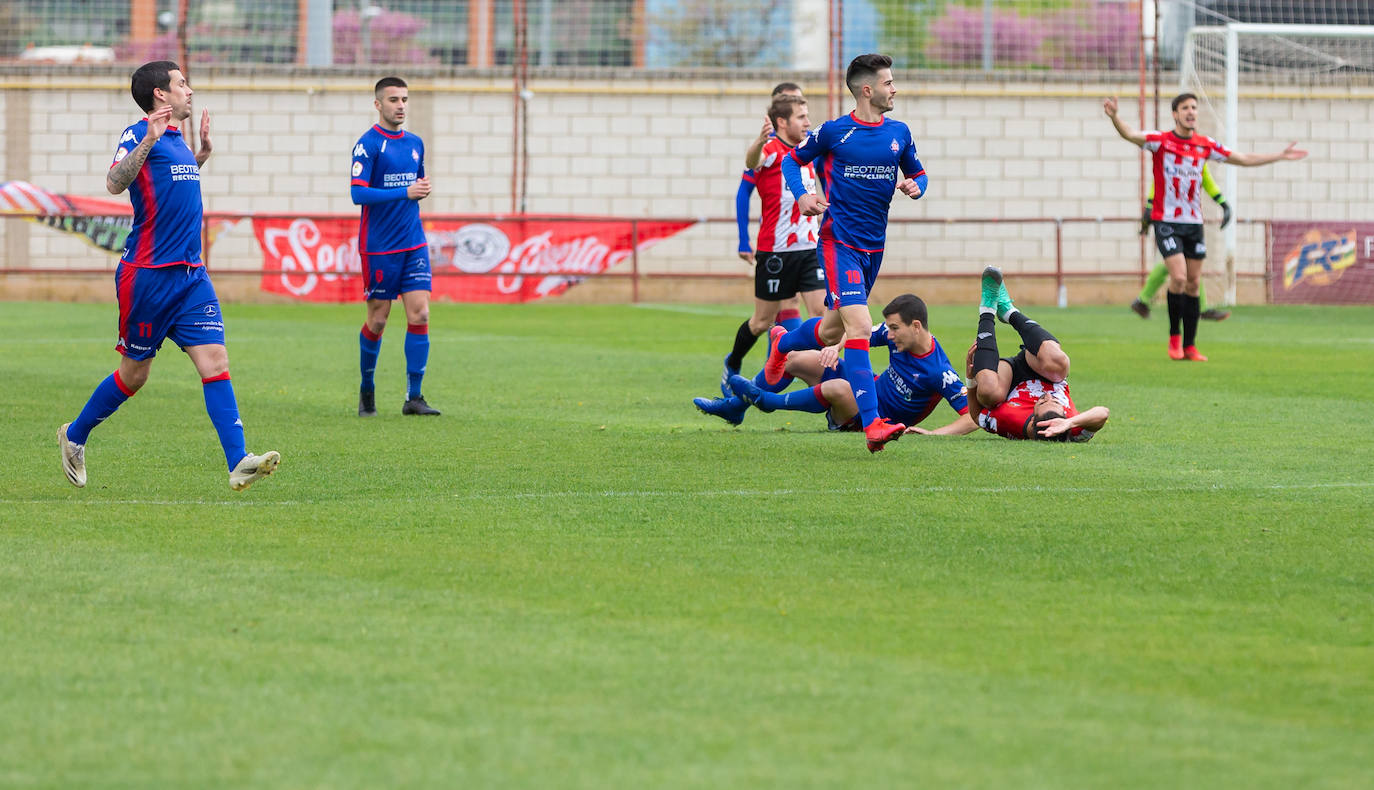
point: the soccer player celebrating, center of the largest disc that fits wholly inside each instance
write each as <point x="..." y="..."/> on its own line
<point x="1177" y="212"/>
<point x="860" y="155"/>
<point x="1160" y="273"/>
<point x="160" y="283"/>
<point x="778" y="275"/>
<point x="786" y="261"/>
<point x="389" y="182"/>
<point x="917" y="378"/>
<point x="1025" y="396"/>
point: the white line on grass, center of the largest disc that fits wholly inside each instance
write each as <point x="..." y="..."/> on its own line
<point x="527" y="495"/>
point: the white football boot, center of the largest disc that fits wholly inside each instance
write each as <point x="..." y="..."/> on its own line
<point x="253" y="467"/>
<point x="73" y="458"/>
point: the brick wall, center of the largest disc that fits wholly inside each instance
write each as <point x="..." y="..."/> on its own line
<point x="661" y="146"/>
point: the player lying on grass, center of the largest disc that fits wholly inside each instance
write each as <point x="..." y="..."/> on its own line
<point x="1025" y="396"/>
<point x="918" y="376"/>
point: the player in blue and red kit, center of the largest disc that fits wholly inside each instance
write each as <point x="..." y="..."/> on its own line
<point x="917" y="378"/>
<point x="388" y="181"/>
<point x="859" y="157"/>
<point x="161" y="285"/>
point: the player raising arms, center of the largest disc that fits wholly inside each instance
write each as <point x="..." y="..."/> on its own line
<point x="389" y="182"/>
<point x="1177" y="213"/>
<point x="1025" y="396"/>
<point x="160" y="283"/>
<point x="860" y="155"/>
<point x="917" y="378"/>
<point x="785" y="265"/>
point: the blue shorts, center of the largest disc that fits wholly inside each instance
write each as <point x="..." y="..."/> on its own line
<point x="176" y="302"/>
<point x="849" y="273"/>
<point x="388" y="275"/>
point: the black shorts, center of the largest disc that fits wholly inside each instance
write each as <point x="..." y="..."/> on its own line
<point x="1020" y="368"/>
<point x="1186" y="237"/>
<point x="783" y="275"/>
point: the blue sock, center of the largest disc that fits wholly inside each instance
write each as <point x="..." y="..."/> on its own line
<point x="803" y="338"/>
<point x="789" y="319"/>
<point x="798" y="400"/>
<point x="109" y="395"/>
<point x="859" y="372"/>
<point x="369" y="348"/>
<point x="783" y="383"/>
<point x="224" y="414"/>
<point x="417" y="357"/>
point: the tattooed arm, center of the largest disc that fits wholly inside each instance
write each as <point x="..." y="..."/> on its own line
<point x="126" y="170"/>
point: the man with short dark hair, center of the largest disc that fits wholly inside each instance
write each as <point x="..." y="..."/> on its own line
<point x="388" y="181"/>
<point x="1178" y="155"/>
<point x="861" y="155"/>
<point x="161" y="285"/>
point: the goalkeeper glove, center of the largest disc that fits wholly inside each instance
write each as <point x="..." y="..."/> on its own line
<point x="1145" y="219"/>
<point x="1225" y="211"/>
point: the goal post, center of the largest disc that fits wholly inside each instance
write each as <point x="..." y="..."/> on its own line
<point x="1273" y="55"/>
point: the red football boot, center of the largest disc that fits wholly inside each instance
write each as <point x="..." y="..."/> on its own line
<point x="1175" y="346"/>
<point x="1191" y="353"/>
<point x="880" y="432"/>
<point x="775" y="367"/>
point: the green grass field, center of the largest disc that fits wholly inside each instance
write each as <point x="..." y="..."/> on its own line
<point x="573" y="579"/>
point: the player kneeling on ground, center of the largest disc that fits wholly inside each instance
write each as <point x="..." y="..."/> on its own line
<point x="1025" y="396"/>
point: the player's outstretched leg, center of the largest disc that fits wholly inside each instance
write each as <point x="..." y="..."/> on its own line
<point x="807" y="400"/>
<point x="73" y="458"/>
<point x="730" y="409"/>
<point x="1153" y="282"/>
<point x="775" y="367"/>
<point x="252" y="468"/>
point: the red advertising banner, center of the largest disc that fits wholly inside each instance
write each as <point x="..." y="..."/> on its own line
<point x="520" y="259"/>
<point x="1322" y="262"/>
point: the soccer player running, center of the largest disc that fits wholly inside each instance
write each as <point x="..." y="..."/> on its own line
<point x="160" y="284"/>
<point x="859" y="155"/>
<point x="389" y="182"/>
<point x="1155" y="280"/>
<point x="786" y="261"/>
<point x="1177" y="213"/>
<point x="917" y="378"/>
<point x="1025" y="396"/>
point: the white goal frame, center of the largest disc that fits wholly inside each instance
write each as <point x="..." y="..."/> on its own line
<point x="1231" y="33"/>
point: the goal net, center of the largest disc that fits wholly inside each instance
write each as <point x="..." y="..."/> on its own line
<point x="1259" y="87"/>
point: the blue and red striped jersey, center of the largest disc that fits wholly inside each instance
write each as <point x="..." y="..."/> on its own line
<point x="390" y="161"/>
<point x="912" y="385"/>
<point x="858" y="163"/>
<point x="166" y="199"/>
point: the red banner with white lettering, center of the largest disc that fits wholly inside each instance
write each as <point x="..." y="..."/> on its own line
<point x="1322" y="262"/>
<point x="519" y="260"/>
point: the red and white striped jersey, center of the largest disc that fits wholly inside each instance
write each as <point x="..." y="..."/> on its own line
<point x="783" y="228"/>
<point x="1178" y="174"/>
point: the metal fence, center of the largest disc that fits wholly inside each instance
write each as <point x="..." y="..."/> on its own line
<point x="665" y="34"/>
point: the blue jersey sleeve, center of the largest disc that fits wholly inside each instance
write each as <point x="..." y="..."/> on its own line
<point x="363" y="160"/>
<point x="420" y="165"/>
<point x="367" y="196"/>
<point x="878" y="337"/>
<point x="746" y="188"/>
<point x="811" y="147"/>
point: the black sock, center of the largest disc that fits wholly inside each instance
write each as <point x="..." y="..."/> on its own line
<point x="1032" y="334"/>
<point x="1175" y="312"/>
<point x="985" y="357"/>
<point x="744" y="340"/>
<point x="1192" y="308"/>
